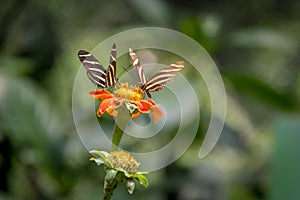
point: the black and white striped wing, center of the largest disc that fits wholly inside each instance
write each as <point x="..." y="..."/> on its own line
<point x="138" y="67"/>
<point x="162" y="78"/>
<point x="111" y="77"/>
<point x="95" y="71"/>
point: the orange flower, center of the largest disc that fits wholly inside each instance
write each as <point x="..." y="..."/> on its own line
<point x="129" y="96"/>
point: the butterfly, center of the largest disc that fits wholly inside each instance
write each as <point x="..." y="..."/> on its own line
<point x="158" y="80"/>
<point x="101" y="77"/>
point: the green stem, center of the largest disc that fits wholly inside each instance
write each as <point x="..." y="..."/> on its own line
<point x="110" y="189"/>
<point x="111" y="181"/>
<point x="120" y="124"/>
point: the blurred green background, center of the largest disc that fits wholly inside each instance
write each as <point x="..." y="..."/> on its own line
<point x="256" y="46"/>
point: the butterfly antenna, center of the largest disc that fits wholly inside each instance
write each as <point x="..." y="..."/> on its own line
<point x="126" y="69"/>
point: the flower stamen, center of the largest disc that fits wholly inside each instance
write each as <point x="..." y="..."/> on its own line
<point x="128" y="92"/>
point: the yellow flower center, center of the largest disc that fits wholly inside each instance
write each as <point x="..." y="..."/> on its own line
<point x="128" y="92"/>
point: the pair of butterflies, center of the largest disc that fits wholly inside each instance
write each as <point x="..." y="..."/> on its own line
<point x="103" y="78"/>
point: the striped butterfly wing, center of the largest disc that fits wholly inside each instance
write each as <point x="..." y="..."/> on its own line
<point x="95" y="71"/>
<point x="162" y="78"/>
<point x="138" y="67"/>
<point x="159" y="80"/>
<point x="98" y="75"/>
<point x="111" y="77"/>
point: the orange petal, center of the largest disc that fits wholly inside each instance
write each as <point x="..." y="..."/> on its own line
<point x="143" y="106"/>
<point x="156" y="112"/>
<point x="135" y="115"/>
<point x="101" y="94"/>
<point x="104" y="105"/>
<point x="115" y="103"/>
<point x="151" y="102"/>
<point x="112" y="111"/>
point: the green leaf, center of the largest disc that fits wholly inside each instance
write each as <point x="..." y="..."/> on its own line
<point x="132" y="175"/>
<point x="142" y="173"/>
<point x="142" y="179"/>
<point x="121" y="170"/>
<point x="99" y="161"/>
<point x="103" y="157"/>
<point x="102" y="154"/>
